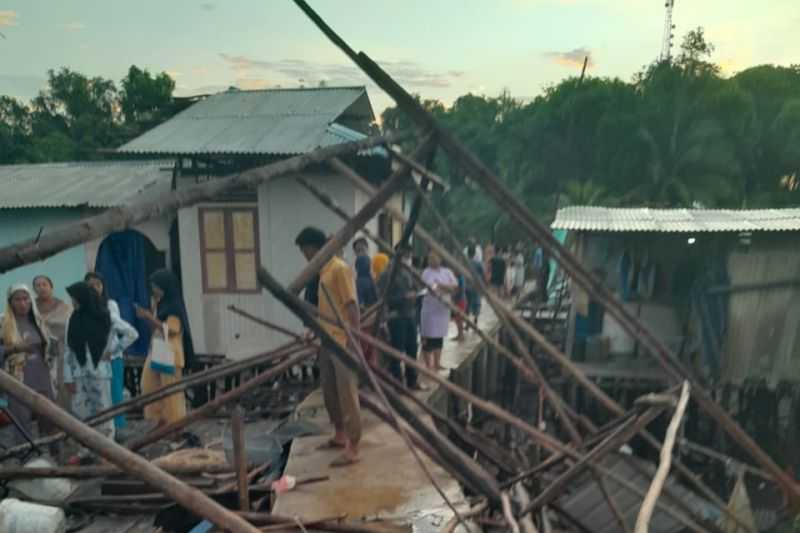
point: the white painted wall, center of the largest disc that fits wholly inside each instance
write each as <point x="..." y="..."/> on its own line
<point x="285" y="208"/>
<point x="215" y="329"/>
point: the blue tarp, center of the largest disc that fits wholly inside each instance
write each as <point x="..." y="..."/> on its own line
<point x="121" y="262"/>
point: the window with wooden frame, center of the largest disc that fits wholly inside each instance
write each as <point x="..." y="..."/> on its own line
<point x="229" y="249"/>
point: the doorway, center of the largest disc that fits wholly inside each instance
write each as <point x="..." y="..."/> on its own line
<point x="126" y="260"/>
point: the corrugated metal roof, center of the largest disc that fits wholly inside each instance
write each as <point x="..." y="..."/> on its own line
<point x="92" y="184"/>
<point x="585" y="218"/>
<point x="272" y="121"/>
<point x="586" y="503"/>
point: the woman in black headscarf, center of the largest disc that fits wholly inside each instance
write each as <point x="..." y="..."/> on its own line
<point x="170" y="311"/>
<point x="92" y="335"/>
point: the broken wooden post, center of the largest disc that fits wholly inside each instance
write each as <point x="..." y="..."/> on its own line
<point x="479" y="173"/>
<point x="478" y="478"/>
<point x="376" y="386"/>
<point x="393" y="185"/>
<point x="240" y="457"/>
<point x="88" y="472"/>
<point x="219" y="401"/>
<point x="135" y="465"/>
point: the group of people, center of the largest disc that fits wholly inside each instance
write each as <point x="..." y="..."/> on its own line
<point x="503" y="266"/>
<point x="72" y="353"/>
<point x="414" y="311"/>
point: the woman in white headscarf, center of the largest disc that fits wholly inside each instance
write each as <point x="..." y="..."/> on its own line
<point x="26" y="345"/>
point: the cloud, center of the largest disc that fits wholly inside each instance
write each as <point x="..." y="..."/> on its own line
<point x="174" y="74"/>
<point x="200" y="71"/>
<point x="252" y="84"/>
<point x="208" y="6"/>
<point x="74" y="26"/>
<point x="572" y="58"/>
<point x="408" y="73"/>
<point x="8" y="19"/>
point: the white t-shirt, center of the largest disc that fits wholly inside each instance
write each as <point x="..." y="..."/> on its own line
<point x="478" y="253"/>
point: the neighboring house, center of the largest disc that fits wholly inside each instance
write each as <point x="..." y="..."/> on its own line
<point x="219" y="245"/>
<point x="37" y="198"/>
<point x="721" y="287"/>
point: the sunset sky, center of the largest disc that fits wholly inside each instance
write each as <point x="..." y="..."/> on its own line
<point x="438" y="48"/>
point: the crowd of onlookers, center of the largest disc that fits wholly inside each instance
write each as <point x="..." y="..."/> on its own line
<point x="72" y="352"/>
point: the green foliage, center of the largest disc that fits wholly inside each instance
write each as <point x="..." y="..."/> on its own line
<point x="76" y="117"/>
<point x="679" y="134"/>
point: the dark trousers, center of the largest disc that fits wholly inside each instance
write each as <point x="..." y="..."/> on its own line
<point x="403" y="336"/>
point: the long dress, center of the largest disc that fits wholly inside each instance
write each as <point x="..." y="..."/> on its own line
<point x="172" y="407"/>
<point x="56" y="321"/>
<point x="435" y="319"/>
<point x="30" y="368"/>
<point x="93" y="383"/>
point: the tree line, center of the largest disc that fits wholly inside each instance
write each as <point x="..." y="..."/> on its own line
<point x="678" y="134"/>
<point x="76" y="118"/>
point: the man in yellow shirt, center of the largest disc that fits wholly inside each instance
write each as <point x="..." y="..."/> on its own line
<point x="339" y="384"/>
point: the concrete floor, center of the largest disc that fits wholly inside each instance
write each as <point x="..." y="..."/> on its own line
<point x="387" y="484"/>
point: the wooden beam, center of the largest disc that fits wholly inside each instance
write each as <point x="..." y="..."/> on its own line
<point x="121" y="218"/>
<point x="479" y="479"/>
<point x="391" y="186"/>
<point x="196" y="378"/>
<point x="210" y="407"/>
<point x="240" y="458"/>
<point x="126" y="460"/>
<point x="479" y="173"/>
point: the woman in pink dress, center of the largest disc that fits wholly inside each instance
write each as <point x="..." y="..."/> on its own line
<point x="435" y="316"/>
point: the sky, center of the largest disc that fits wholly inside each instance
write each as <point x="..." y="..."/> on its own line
<point x="437" y="48"/>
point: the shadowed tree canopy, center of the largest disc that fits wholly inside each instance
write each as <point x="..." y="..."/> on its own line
<point x="75" y="117"/>
<point x="679" y="134"/>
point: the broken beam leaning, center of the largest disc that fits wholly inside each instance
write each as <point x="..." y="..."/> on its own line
<point x="219" y="401"/>
<point x="359" y="219"/>
<point x="479" y="479"/>
<point x="537" y="232"/>
<point x="121" y="218"/>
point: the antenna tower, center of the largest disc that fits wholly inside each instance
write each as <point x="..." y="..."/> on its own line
<point x="666" y="45"/>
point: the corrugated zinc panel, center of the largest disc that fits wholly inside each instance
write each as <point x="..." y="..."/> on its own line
<point x="273" y="121"/>
<point x="590" y="218"/>
<point x="93" y="184"/>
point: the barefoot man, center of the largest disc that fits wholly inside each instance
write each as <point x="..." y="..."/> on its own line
<point x="339" y="384"/>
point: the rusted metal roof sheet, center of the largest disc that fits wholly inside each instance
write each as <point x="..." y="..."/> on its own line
<point x="586" y="218"/>
<point x="586" y="503"/>
<point x="91" y="184"/>
<point x="266" y="122"/>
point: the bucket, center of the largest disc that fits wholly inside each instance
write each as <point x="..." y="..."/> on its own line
<point x="23" y="517"/>
<point x="44" y="489"/>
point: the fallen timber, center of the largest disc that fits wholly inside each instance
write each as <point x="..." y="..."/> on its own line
<point x="126" y="460"/>
<point x="307" y="312"/>
<point x="479" y="173"/>
<point x="199" y="378"/>
<point x="525" y="371"/>
<point x="118" y="219"/>
<point x="194" y="379"/>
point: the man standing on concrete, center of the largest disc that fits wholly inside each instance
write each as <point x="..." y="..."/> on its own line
<point x="339" y="384"/>
<point x="401" y="300"/>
